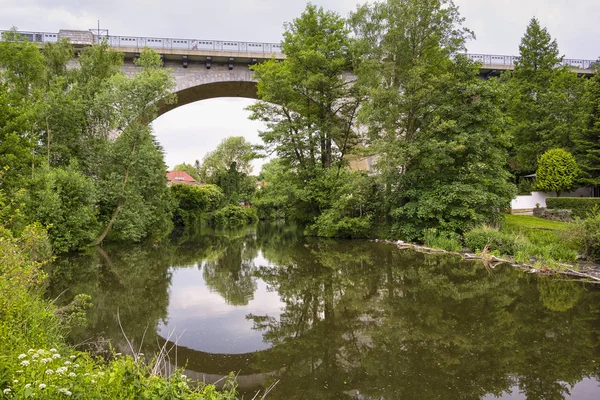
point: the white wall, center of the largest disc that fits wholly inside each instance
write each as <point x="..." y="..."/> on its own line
<point x="529" y="202"/>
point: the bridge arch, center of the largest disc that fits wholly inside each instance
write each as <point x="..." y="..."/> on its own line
<point x="199" y="83"/>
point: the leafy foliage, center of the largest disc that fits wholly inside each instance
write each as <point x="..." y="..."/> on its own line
<point x="233" y="215"/>
<point x="579" y="205"/>
<point x="557" y="171"/>
<point x="437" y="127"/>
<point x="63" y="200"/>
<point x="543" y="102"/>
<point x="194" y="203"/>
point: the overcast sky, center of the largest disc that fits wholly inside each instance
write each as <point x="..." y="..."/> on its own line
<point x="188" y="132"/>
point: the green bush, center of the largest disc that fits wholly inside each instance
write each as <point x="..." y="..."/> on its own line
<point x="193" y="203"/>
<point x="449" y="241"/>
<point x="580" y="206"/>
<point x="557" y="171"/>
<point x="588" y="232"/>
<point x="232" y="215"/>
<point x="64" y="201"/>
<point x="331" y="224"/>
<point x="478" y="238"/>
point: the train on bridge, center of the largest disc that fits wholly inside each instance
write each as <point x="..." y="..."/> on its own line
<point x="172" y="44"/>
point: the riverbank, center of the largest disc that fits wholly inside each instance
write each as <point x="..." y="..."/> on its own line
<point x="530" y="243"/>
<point x="36" y="360"/>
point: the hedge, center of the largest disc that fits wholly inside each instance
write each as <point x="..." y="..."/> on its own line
<point x="580" y="206"/>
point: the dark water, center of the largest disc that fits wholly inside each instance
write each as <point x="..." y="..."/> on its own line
<point x="341" y="319"/>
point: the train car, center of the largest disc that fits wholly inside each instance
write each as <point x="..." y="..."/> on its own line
<point x="125" y="41"/>
<point x="276" y="48"/>
<point x="50" y="37"/>
<point x="231" y="46"/>
<point x="183" y="44"/>
<point x="255" y="47"/>
<point x="206" y="45"/>
<point x="155" y="43"/>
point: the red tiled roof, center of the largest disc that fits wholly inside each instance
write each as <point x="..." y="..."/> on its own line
<point x="179" y="177"/>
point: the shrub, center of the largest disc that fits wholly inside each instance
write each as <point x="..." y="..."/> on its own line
<point x="194" y="202"/>
<point x="580" y="206"/>
<point x="557" y="171"/>
<point x="449" y="241"/>
<point x="64" y="201"/>
<point x="553" y="214"/>
<point x="232" y="215"/>
<point x="588" y="231"/>
<point x="331" y="224"/>
<point x="478" y="238"/>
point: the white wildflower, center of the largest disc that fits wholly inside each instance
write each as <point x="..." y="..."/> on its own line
<point x="22" y="356"/>
<point x="53" y="350"/>
<point x="45" y="360"/>
<point x="20" y="371"/>
<point x="24" y="363"/>
<point x="86" y="374"/>
<point x="6" y="391"/>
<point x="15" y="381"/>
<point x="93" y="381"/>
<point x="61" y="370"/>
<point x="56" y="355"/>
<point x="35" y="355"/>
<point x="49" y="372"/>
<point x="28" y="386"/>
<point x="184" y="376"/>
<point x="42" y="386"/>
<point x="73" y="357"/>
<point x="72" y="374"/>
<point x="30" y="351"/>
<point x="67" y="362"/>
<point x="41" y="352"/>
<point x="76" y="366"/>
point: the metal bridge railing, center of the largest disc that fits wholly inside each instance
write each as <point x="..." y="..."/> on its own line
<point x="255" y="47"/>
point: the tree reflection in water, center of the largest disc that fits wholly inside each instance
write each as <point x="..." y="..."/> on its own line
<point x="360" y="317"/>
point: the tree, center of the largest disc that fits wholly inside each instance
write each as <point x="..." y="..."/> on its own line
<point x="234" y="149"/>
<point x="543" y="102"/>
<point x="310" y="107"/>
<point x="64" y="201"/>
<point x="193" y="203"/>
<point x="189" y="169"/>
<point x="306" y="101"/>
<point x="133" y="191"/>
<point x="557" y="171"/>
<point x="436" y="126"/>
<point x="588" y="140"/>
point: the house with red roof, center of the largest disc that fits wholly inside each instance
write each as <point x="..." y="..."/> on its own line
<point x="180" y="178"/>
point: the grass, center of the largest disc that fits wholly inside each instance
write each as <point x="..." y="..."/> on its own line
<point x="516" y="222"/>
<point x="529" y="240"/>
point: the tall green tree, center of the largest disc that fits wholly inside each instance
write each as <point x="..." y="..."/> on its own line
<point x="543" y="101"/>
<point x="435" y="125"/>
<point x="233" y="149"/>
<point x="133" y="192"/>
<point x="587" y="142"/>
<point x="307" y="101"/>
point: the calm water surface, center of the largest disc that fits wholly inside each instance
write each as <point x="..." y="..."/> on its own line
<point x="340" y="319"/>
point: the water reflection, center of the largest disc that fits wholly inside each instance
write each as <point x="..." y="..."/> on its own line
<point x="334" y="320"/>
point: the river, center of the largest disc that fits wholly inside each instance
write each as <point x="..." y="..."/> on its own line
<point x="330" y="319"/>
